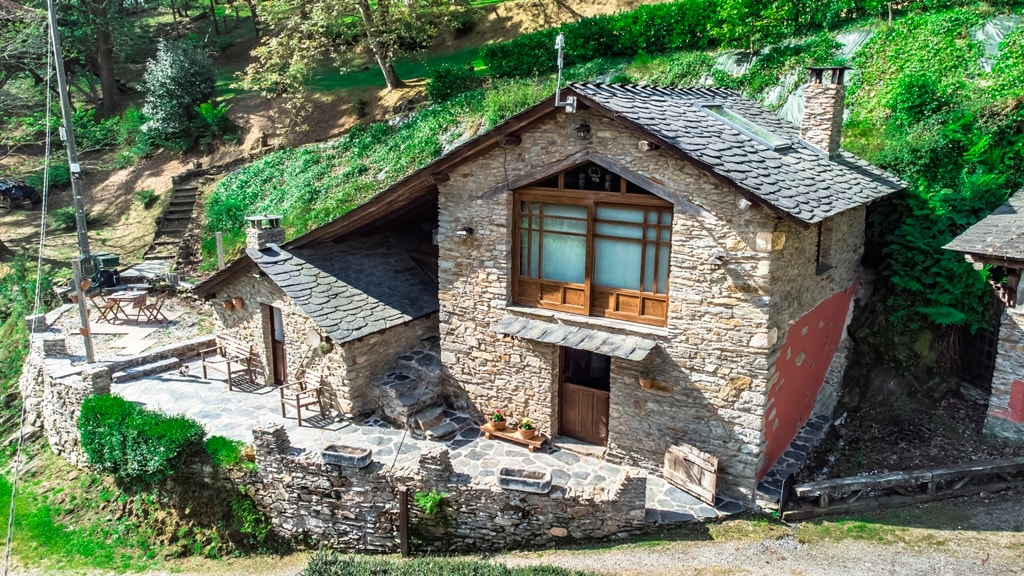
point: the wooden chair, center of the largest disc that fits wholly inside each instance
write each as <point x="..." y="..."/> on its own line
<point x="305" y="393"/>
<point x="107" y="308"/>
<point x="230" y="356"/>
<point x="152" y="311"/>
<point x="138" y="308"/>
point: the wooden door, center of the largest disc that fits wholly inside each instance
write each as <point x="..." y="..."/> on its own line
<point x="584" y="385"/>
<point x="693" y="471"/>
<point x="278" y="352"/>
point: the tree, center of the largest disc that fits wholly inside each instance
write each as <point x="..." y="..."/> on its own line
<point x="177" y="80"/>
<point x="299" y="35"/>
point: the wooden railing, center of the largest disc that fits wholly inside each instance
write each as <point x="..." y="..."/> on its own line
<point x="893" y="489"/>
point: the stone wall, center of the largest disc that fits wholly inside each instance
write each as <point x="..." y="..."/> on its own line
<point x="1006" y="405"/>
<point x="711" y="379"/>
<point x="357" y="509"/>
<point x="349" y="368"/>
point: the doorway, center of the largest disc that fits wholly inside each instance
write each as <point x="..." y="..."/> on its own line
<point x="278" y="351"/>
<point x="584" y="385"/>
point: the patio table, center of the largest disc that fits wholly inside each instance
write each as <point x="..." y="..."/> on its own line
<point x="123" y="298"/>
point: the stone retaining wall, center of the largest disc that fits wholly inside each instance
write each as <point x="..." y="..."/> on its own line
<point x="1006" y="405"/>
<point x="357" y="509"/>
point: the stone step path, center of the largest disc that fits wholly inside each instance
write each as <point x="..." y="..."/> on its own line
<point x="138" y="372"/>
<point x="410" y="395"/>
<point x="173" y="223"/>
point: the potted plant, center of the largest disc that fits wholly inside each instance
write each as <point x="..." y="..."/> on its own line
<point x="646" y="380"/>
<point x="497" y="420"/>
<point x="526" y="429"/>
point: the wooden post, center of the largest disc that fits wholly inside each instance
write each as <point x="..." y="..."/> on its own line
<point x="403" y="520"/>
<point x="220" y="250"/>
<point x="83" y="311"/>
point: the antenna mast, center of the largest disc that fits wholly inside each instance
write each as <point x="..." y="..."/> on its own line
<point x="84" y="260"/>
<point x="570" y="101"/>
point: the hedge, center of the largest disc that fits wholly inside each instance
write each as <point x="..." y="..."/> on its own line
<point x="137" y="445"/>
<point x="334" y="564"/>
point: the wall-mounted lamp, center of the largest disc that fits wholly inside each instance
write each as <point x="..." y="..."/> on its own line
<point x="463" y="233"/>
<point x="583" y="130"/>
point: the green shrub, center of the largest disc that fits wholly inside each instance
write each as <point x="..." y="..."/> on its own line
<point x="250" y="520"/>
<point x="93" y="135"/>
<point x="136" y="445"/>
<point x="60" y="175"/>
<point x="430" y="502"/>
<point x="450" y="80"/>
<point x="506" y="98"/>
<point x="325" y="563"/>
<point x="147" y="197"/>
<point x="226" y="452"/>
<point x="211" y="124"/>
<point x="177" y="80"/>
<point x="62" y="218"/>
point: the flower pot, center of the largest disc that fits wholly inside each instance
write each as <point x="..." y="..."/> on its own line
<point x="527" y="433"/>
<point x="238" y="302"/>
<point x="229" y="305"/>
<point x="646" y="383"/>
<point x="497" y="425"/>
<point x="85" y="285"/>
<point x="74" y="298"/>
<point x="249" y="453"/>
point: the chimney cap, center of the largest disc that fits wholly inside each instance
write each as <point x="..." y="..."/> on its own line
<point x="264" y="221"/>
<point x="837" y="73"/>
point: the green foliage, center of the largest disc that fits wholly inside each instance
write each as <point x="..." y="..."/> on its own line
<point x="211" y="123"/>
<point x="147" y="197"/>
<point x="137" y="445"/>
<point x="450" y="80"/>
<point x="650" y="29"/>
<point x="17" y="299"/>
<point x="430" y="502"/>
<point x="177" y="80"/>
<point x="325" y="563"/>
<point x="224" y="451"/>
<point x="250" y="520"/>
<point x="509" y="97"/>
<point x="59" y="175"/>
<point x="62" y="218"/>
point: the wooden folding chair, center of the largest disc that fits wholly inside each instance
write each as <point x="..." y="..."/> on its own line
<point x="153" y="309"/>
<point x="138" y="308"/>
<point x="305" y="393"/>
<point x="107" y="308"/>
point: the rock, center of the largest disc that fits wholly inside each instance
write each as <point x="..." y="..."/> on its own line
<point x="558" y="532"/>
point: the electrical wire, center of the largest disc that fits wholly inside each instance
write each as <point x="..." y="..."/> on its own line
<point x="37" y="304"/>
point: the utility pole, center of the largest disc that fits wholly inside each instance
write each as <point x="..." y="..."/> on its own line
<point x="84" y="259"/>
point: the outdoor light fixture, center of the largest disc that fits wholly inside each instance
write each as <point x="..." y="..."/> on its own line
<point x="583" y="130"/>
<point x="464" y="232"/>
<point x="717" y="258"/>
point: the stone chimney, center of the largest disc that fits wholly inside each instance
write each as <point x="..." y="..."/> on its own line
<point x="822" y="122"/>
<point x="263" y="230"/>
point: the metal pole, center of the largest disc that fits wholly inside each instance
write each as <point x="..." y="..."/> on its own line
<point x="69" y="132"/>
<point x="403" y="520"/>
<point x="83" y="311"/>
<point x="220" y="250"/>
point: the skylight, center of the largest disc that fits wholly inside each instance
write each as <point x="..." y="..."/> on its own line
<point x="745" y="126"/>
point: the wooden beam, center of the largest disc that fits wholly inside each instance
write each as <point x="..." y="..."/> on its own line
<point x="439" y="178"/>
<point x="647" y="146"/>
<point x="511" y="140"/>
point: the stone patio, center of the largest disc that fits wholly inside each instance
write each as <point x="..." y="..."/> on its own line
<point x="236" y="414"/>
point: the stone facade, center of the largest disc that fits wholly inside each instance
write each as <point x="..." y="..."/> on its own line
<point x="1006" y="405"/>
<point x="349" y="368"/>
<point x="357" y="509"/>
<point x="725" y="323"/>
<point x="822" y="122"/>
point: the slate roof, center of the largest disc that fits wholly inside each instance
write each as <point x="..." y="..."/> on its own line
<point x="1000" y="235"/>
<point x="796" y="179"/>
<point x="353" y="289"/>
<point x="618" y="345"/>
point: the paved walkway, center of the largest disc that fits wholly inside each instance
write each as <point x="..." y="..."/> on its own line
<point x="235" y="414"/>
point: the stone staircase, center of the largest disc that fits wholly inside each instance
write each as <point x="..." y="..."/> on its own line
<point x="411" y="396"/>
<point x="174" y="222"/>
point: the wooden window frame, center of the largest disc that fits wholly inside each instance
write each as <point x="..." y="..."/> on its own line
<point x="580" y="298"/>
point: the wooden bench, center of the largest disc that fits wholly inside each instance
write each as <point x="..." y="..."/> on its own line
<point x="513" y="436"/>
<point x="230" y="356"/>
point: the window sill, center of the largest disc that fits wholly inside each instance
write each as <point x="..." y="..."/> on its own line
<point x="592" y="322"/>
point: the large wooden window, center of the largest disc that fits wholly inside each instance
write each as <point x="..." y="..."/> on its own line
<point x="590" y="242"/>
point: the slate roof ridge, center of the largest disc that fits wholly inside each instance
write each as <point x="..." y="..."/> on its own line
<point x="1000" y="235"/>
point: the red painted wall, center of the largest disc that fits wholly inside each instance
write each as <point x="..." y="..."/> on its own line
<point x="1015" y="410"/>
<point x="800" y="371"/>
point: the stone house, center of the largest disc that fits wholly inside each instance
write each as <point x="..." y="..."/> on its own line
<point x="659" y="267"/>
<point x="998" y="240"/>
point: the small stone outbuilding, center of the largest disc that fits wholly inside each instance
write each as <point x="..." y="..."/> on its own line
<point x="998" y="240"/>
<point x="660" y="272"/>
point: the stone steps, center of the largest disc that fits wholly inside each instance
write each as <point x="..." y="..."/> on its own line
<point x="410" y="395"/>
<point x="137" y="372"/>
<point x="174" y="222"/>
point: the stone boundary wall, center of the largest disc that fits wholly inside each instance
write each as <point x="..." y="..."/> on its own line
<point x="357" y="509"/>
<point x="1005" y="416"/>
<point x="53" y="388"/>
